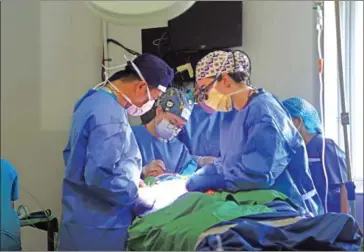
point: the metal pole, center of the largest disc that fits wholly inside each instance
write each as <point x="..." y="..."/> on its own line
<point x="344" y="114"/>
<point x="105" y="46"/>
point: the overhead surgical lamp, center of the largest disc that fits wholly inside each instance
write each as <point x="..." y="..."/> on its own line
<point x="141" y="13"/>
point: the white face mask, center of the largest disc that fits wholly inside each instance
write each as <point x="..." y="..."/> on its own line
<point x="133" y="110"/>
<point x="166" y="130"/>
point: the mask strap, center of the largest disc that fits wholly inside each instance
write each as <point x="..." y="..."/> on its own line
<point x="117" y="90"/>
<point x="100" y="85"/>
<point x="236" y="92"/>
<point x="140" y="76"/>
<point x="112" y="86"/>
<point x="114" y="67"/>
<point x="106" y="81"/>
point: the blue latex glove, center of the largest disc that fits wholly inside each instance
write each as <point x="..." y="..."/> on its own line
<point x="206" y="179"/>
<point x="142" y="205"/>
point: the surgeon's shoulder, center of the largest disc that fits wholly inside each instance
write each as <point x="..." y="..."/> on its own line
<point x="265" y="107"/>
<point x="101" y="108"/>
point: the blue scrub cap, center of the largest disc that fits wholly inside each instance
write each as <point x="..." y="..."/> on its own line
<point x="154" y="70"/>
<point x="298" y="107"/>
<point x="176" y="102"/>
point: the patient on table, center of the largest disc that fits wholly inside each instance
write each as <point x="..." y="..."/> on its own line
<point x="164" y="193"/>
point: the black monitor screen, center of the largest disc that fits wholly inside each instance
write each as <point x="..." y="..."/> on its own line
<point x="208" y="25"/>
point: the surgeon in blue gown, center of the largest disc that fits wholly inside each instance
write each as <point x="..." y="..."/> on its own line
<point x="201" y="134"/>
<point x="261" y="149"/>
<point x="103" y="161"/>
<point x="307" y="121"/>
<point x="157" y="141"/>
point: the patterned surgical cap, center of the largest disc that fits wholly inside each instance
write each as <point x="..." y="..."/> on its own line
<point x="218" y="62"/>
<point x="176" y="102"/>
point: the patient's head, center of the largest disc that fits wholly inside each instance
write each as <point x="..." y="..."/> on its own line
<point x="173" y="110"/>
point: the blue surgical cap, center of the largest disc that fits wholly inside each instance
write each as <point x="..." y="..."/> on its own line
<point x="176" y="102"/>
<point x="298" y="107"/>
<point x="155" y="71"/>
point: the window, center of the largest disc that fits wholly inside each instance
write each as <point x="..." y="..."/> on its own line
<point x="352" y="51"/>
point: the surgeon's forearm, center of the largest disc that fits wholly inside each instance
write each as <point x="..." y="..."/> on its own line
<point x="344" y="202"/>
<point x="113" y="192"/>
<point x="195" y="158"/>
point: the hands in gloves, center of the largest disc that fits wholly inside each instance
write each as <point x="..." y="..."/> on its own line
<point x="202" y="161"/>
<point x="206" y="178"/>
<point x="154" y="168"/>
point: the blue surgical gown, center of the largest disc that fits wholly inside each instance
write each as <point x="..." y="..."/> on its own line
<point x="174" y="154"/>
<point x="103" y="167"/>
<point x="261" y="149"/>
<point x="9" y="220"/>
<point x="336" y="170"/>
<point x="201" y="133"/>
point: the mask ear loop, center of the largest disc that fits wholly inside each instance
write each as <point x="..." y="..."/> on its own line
<point x="140" y="75"/>
<point x="106" y="81"/>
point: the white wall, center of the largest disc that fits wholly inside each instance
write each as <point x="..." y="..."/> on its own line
<point x="51" y="53"/>
<point x="280" y="37"/>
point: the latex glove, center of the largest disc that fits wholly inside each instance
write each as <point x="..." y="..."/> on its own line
<point x="206" y="178"/>
<point x="154" y="168"/>
<point x="202" y="161"/>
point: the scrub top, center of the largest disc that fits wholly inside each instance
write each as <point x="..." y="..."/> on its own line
<point x="336" y="170"/>
<point x="201" y="133"/>
<point x="10" y="224"/>
<point x="173" y="153"/>
<point x="261" y="149"/>
<point x="100" y="185"/>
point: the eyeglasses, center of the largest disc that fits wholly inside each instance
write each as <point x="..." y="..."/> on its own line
<point x="201" y="94"/>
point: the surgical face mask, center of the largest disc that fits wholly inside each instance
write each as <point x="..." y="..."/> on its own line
<point x="218" y="101"/>
<point x="206" y="108"/>
<point x="166" y="130"/>
<point x="132" y="110"/>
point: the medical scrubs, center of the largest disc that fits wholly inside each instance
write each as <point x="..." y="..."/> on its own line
<point x="173" y="153"/>
<point x="201" y="133"/>
<point x="10" y="224"/>
<point x="336" y="170"/>
<point x="261" y="149"/>
<point x="103" y="167"/>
